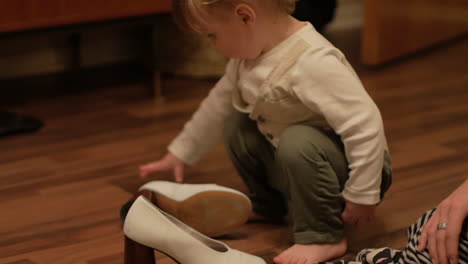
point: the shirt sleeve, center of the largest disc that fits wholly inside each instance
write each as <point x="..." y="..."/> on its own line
<point x="205" y="128"/>
<point x="325" y="82"/>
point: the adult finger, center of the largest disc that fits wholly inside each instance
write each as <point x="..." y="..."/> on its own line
<point x="424" y="238"/>
<point x="422" y="242"/>
<point x="432" y="240"/>
<point x="453" y="234"/>
<point x="441" y="234"/>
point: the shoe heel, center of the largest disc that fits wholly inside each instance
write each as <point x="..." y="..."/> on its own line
<point x="136" y="253"/>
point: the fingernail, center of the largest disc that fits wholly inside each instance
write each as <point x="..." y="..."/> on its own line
<point x="453" y="261"/>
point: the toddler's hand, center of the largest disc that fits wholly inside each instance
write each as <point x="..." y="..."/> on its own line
<point x="168" y="162"/>
<point x="358" y="214"/>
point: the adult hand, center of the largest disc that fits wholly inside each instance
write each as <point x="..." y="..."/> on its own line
<point x="357" y="214"/>
<point x="167" y="163"/>
<point x="443" y="243"/>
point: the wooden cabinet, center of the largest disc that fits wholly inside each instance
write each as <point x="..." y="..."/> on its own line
<point x="19" y="15"/>
<point x="394" y="28"/>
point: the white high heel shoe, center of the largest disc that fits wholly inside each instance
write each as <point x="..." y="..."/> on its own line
<point x="148" y="225"/>
<point x="211" y="209"/>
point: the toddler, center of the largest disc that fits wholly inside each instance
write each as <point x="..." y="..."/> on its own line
<point x="296" y="120"/>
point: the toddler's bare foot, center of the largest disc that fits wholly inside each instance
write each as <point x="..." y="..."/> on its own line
<point x="306" y="254"/>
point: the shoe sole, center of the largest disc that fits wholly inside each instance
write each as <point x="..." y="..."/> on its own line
<point x="212" y="213"/>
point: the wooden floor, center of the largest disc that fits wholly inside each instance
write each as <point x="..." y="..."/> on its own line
<point x="61" y="188"/>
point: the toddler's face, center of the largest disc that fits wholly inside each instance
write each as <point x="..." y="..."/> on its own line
<point x="232" y="38"/>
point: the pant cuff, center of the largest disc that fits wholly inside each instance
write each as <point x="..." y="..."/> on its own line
<point x="312" y="237"/>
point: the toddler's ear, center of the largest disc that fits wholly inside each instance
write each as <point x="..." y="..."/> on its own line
<point x="246" y="13"/>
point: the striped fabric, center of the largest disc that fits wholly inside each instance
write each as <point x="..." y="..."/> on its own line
<point x="409" y="254"/>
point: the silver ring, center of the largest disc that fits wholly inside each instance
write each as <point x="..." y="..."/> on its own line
<point x="442" y="226"/>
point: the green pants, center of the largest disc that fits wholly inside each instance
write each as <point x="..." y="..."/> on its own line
<point x="308" y="169"/>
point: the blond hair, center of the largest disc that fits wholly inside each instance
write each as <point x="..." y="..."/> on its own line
<point x="189" y="13"/>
